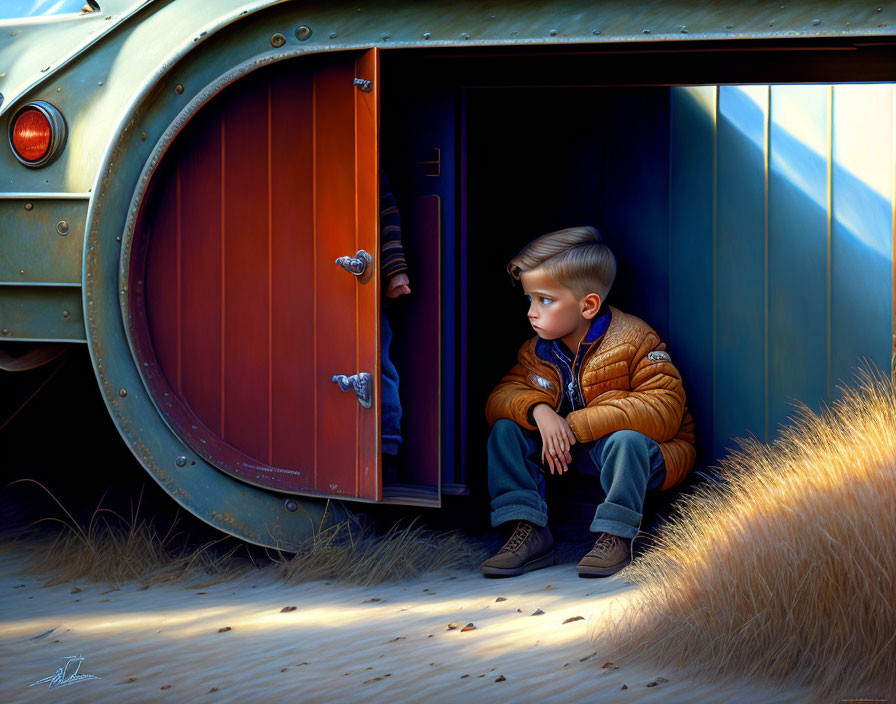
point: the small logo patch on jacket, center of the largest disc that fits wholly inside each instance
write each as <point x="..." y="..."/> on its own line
<point x="540" y="381"/>
<point x="659" y="356"/>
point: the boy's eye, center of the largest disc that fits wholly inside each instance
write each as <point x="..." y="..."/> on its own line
<point x="545" y="301"/>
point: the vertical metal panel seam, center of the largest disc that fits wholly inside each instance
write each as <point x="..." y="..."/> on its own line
<point x="223" y="271"/>
<point x="179" y="274"/>
<point x="829" y="197"/>
<point x="893" y="229"/>
<point x="314" y="260"/>
<point x="715" y="254"/>
<point x="767" y="148"/>
<point x="270" y="295"/>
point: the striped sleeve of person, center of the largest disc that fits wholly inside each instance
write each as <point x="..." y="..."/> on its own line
<point x="392" y="259"/>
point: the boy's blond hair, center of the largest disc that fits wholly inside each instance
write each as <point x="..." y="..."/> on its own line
<point x="577" y="257"/>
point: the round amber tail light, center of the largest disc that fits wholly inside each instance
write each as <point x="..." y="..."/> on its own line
<point x="37" y="133"/>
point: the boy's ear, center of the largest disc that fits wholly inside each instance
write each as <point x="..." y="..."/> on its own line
<point x="590" y="306"/>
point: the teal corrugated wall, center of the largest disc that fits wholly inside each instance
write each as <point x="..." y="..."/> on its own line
<point x="781" y="221"/>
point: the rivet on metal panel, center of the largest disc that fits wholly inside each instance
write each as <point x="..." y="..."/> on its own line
<point x="683" y="29"/>
<point x="771" y="24"/>
<point x="65" y="314"/>
<point x="596" y="32"/>
<point x="816" y="21"/>
<point x="59" y="90"/>
<point x="426" y="35"/>
<point x="645" y="31"/>
<point x="22" y="272"/>
<point x="878" y="9"/>
<point x="122" y="392"/>
<point x="729" y="26"/>
<point x="333" y="35"/>
<point x="62" y="228"/>
<point x="303" y="32"/>
<point x="465" y="36"/>
<point x="553" y="32"/>
<point x="277" y="40"/>
<point x="181" y="461"/>
<point x="291" y="506"/>
<point x="179" y="88"/>
<point x="99" y="83"/>
<point x="5" y="331"/>
<point x="29" y="206"/>
<point x="386" y="36"/>
<point x="143" y="136"/>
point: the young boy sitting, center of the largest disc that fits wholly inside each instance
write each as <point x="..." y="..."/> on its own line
<point x="598" y="391"/>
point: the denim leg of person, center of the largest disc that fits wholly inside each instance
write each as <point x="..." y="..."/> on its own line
<point x="628" y="464"/>
<point x="515" y="482"/>
<point x="391" y="405"/>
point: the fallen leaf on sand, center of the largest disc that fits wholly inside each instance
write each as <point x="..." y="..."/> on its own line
<point x="288" y="608"/>
<point x="588" y="657"/>
<point x="452" y="626"/>
<point x="45" y="634"/>
<point x="468" y="627"/>
<point x="501" y="598"/>
<point x="75" y="590"/>
<point x="284" y="669"/>
<point x="538" y="612"/>
<point x="574" y="618"/>
<point x="661" y="679"/>
<point x="226" y="628"/>
<point x="165" y="686"/>
<point x="463" y="677"/>
<point x="198" y="593"/>
<point x="609" y="664"/>
<point x="213" y="689"/>
<point x="130" y="679"/>
<point x="501" y="678"/>
<point x="651" y="684"/>
<point x="109" y="591"/>
<point x="426" y="590"/>
<point x="625" y="686"/>
<point x="549" y="587"/>
<point x="19" y="586"/>
<point x="367" y="601"/>
<point x="378" y="679"/>
<point x="395" y="639"/>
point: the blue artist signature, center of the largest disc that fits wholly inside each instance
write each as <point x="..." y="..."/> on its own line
<point x="67" y="674"/>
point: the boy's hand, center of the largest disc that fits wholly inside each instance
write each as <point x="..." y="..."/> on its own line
<point x="556" y="438"/>
<point x="398" y="286"/>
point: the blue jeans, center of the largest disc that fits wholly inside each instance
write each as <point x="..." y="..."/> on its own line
<point x="390" y="403"/>
<point x="628" y="463"/>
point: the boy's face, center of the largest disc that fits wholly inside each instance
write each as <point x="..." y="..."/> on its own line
<point x="554" y="310"/>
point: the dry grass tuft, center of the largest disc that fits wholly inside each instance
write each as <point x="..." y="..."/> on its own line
<point x="118" y="550"/>
<point x="787" y="569"/>
<point x="352" y="552"/>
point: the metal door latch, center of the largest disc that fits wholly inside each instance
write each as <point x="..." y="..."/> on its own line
<point x="362" y="83"/>
<point x="356" y="264"/>
<point x="362" y="384"/>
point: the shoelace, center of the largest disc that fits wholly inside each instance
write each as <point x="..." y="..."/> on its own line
<point x="519" y="536"/>
<point x="605" y="544"/>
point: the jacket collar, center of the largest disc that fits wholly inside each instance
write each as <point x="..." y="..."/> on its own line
<point x="544" y="349"/>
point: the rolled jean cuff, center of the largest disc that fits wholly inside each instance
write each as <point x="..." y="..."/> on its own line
<point x="616" y="519"/>
<point x="520" y="505"/>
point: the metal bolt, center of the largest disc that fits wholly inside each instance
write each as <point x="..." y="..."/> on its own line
<point x="553" y="32"/>
<point x="386" y="36"/>
<point x="729" y="26"/>
<point x="332" y="35"/>
<point x="143" y="136"/>
<point x="122" y="392"/>
<point x="22" y="272"/>
<point x="99" y="83"/>
<point x="6" y="331"/>
<point x="291" y="506"/>
<point x="465" y="36"/>
<point x="683" y="29"/>
<point x="181" y="461"/>
<point x="878" y="10"/>
<point x="179" y="88"/>
<point x="29" y="206"/>
<point x="303" y="32"/>
<point x="277" y="40"/>
<point x="596" y="32"/>
<point x="62" y="228"/>
<point x="645" y="31"/>
<point x="816" y="21"/>
<point x="65" y="314"/>
<point x="426" y="35"/>
<point x="771" y="24"/>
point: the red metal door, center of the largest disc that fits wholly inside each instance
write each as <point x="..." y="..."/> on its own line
<point x="247" y="316"/>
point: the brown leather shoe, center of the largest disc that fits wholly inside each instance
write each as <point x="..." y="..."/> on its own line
<point x="529" y="547"/>
<point x="609" y="555"/>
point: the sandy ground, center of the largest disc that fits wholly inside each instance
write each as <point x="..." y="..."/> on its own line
<point x="339" y="644"/>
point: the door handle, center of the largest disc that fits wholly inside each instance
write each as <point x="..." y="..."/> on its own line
<point x="362" y="384"/>
<point x="357" y="264"/>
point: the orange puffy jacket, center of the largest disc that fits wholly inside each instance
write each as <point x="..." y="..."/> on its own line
<point x="628" y="383"/>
